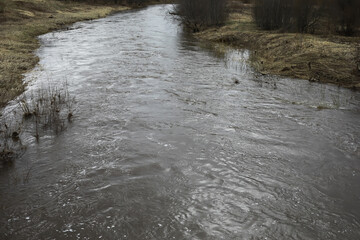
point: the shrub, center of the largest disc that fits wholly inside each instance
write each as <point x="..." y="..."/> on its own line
<point x="199" y="14"/>
<point x="136" y="2"/>
<point x="272" y="14"/>
<point x="345" y="15"/>
<point x="302" y="15"/>
<point x="290" y="15"/>
<point x="305" y="14"/>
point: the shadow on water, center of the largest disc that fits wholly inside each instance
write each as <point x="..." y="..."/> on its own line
<point x="165" y="145"/>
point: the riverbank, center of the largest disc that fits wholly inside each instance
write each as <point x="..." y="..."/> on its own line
<point x="22" y="22"/>
<point x="326" y="59"/>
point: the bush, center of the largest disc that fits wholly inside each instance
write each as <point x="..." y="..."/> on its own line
<point x="305" y="14"/>
<point x="271" y="14"/>
<point x="290" y="15"/>
<point x="302" y="15"/>
<point x="199" y="14"/>
<point x="136" y="2"/>
<point x="130" y="2"/>
<point x="345" y="15"/>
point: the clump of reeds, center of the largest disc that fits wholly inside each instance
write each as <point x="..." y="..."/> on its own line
<point x="49" y="108"/>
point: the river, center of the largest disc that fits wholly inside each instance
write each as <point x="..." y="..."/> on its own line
<point x="164" y="145"/>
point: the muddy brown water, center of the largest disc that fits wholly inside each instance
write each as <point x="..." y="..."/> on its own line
<point x="164" y="145"/>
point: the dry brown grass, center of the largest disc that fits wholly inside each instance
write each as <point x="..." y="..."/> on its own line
<point x="21" y="23"/>
<point x="330" y="59"/>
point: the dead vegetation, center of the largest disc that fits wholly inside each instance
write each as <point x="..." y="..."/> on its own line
<point x="50" y="108"/>
<point x="308" y="16"/>
<point x="200" y="14"/>
<point x="320" y="58"/>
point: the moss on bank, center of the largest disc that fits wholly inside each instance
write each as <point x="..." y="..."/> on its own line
<point x="21" y="23"/>
<point x="326" y="59"/>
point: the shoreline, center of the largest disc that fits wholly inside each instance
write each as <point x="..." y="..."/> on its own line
<point x="324" y="59"/>
<point x="22" y="23"/>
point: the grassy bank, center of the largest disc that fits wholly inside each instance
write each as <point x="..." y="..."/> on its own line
<point x="328" y="59"/>
<point x="21" y="23"/>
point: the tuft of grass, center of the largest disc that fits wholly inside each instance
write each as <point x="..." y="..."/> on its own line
<point x="50" y="108"/>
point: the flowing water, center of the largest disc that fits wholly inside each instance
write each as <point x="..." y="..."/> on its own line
<point x="164" y="145"/>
